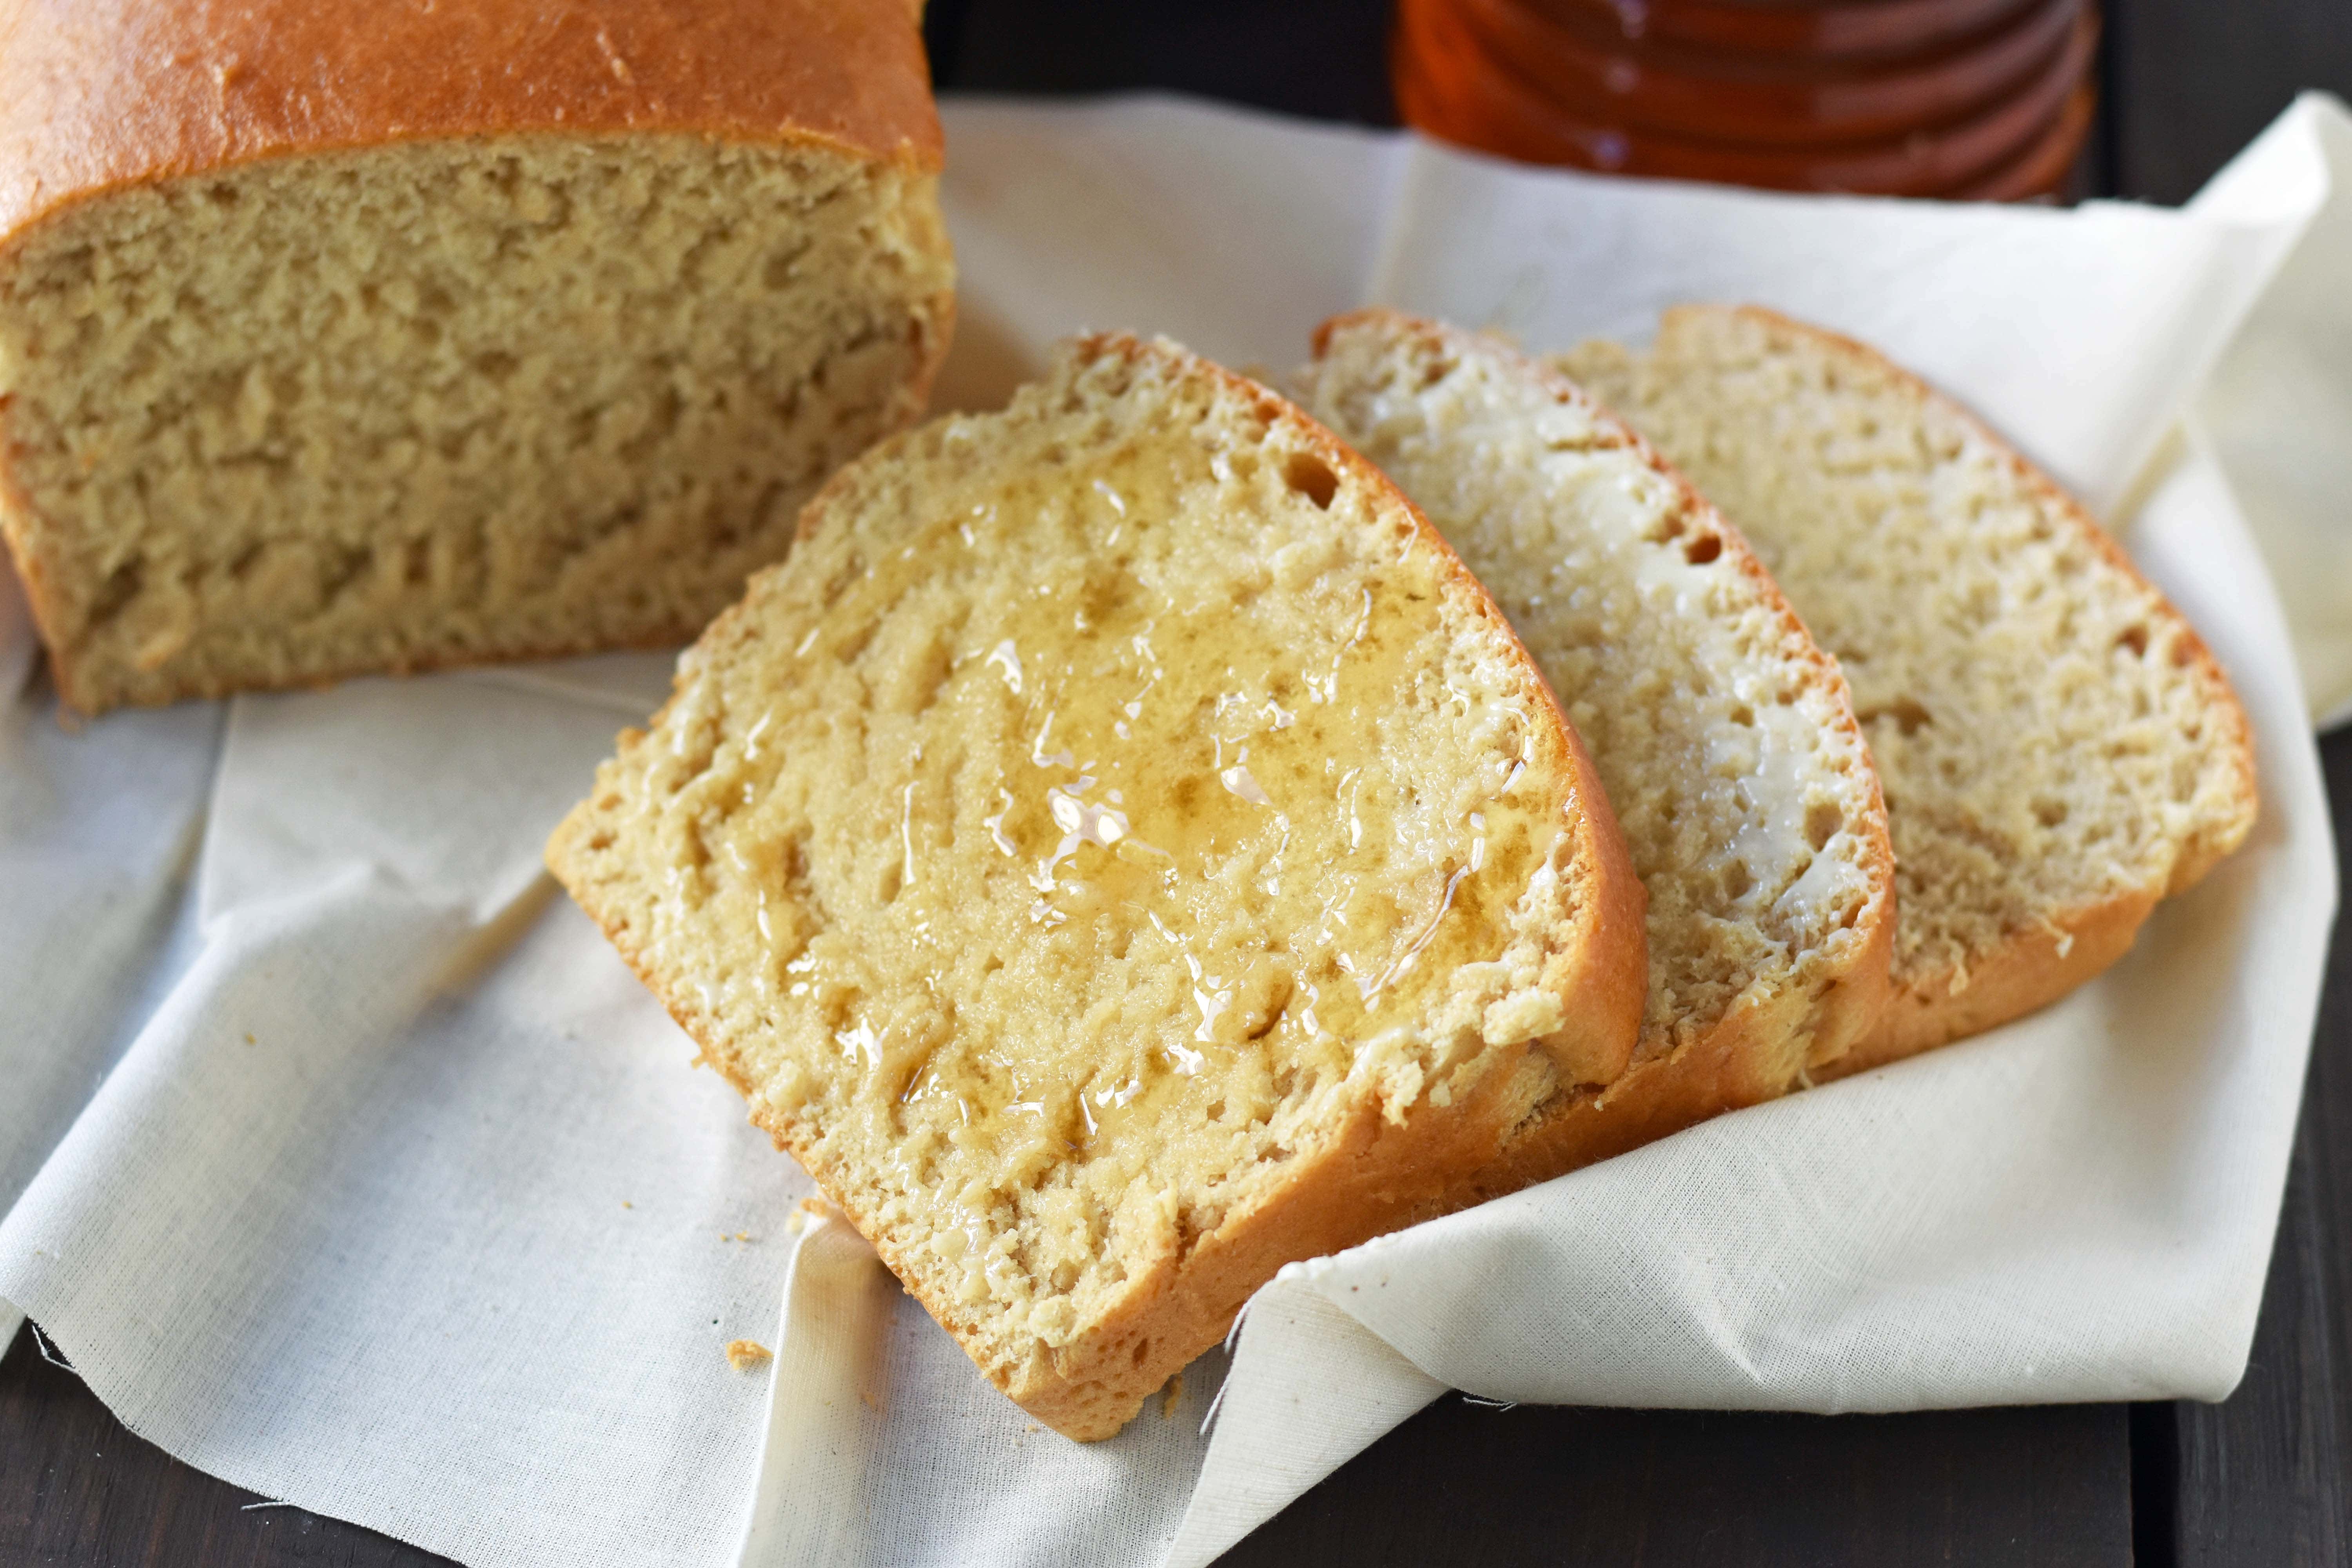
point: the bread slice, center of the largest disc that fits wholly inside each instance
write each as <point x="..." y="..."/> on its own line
<point x="1121" y="852"/>
<point x="1725" y="738"/>
<point x="2059" y="750"/>
<point x="337" y="339"/>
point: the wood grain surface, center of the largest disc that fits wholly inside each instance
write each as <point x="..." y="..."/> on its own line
<point x="2266" y="1479"/>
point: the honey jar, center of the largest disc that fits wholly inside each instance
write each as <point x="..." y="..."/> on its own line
<point x="1982" y="100"/>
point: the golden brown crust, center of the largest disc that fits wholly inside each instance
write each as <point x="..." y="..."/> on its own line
<point x="1364" y="1175"/>
<point x="1721" y="1070"/>
<point x="1362" y="1185"/>
<point x="2024" y="974"/>
<point x="2034" y="967"/>
<point x="1745" y="1060"/>
<point x="98" y="94"/>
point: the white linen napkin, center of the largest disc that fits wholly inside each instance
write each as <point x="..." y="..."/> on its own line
<point x="2279" y="406"/>
<point x="402" y="1205"/>
<point x="96" y="832"/>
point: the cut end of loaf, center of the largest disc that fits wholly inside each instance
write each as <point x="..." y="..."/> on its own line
<point x="2058" y="748"/>
<point x="444" y="402"/>
<point x="1121" y="852"/>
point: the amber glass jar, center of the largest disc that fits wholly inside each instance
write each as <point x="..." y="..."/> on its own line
<point x="1965" y="98"/>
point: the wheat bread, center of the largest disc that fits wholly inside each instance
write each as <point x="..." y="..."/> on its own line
<point x="1120" y="852"/>
<point x="1724" y="736"/>
<point x="2058" y="748"/>
<point x="337" y="339"/>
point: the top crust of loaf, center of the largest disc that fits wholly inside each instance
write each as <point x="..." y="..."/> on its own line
<point x="97" y="94"/>
<point x="1726" y="739"/>
<point x="1120" y="852"/>
<point x="2120" y="768"/>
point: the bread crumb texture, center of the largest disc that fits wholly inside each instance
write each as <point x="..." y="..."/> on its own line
<point x="744" y="1356"/>
<point x="1724" y="737"/>
<point x="423" y="404"/>
<point x="2053" y="740"/>
<point x="1120" y="852"/>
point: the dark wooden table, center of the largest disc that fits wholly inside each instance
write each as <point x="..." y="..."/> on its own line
<point x="2266" y="1479"/>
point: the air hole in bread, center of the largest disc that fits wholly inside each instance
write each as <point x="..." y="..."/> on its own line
<point x="782" y="269"/>
<point x="847" y="649"/>
<point x="1311" y="477"/>
<point x="350" y="564"/>
<point x="2050" y="813"/>
<point x="1822" y="820"/>
<point x="2136" y="640"/>
<point x="122" y="586"/>
<point x="1279" y="1007"/>
<point x="1908" y="716"/>
<point x="1702" y="549"/>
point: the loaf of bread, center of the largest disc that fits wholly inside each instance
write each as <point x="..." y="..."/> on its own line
<point x="1725" y="738"/>
<point x="376" y="337"/>
<point x="2059" y="751"/>
<point x="1121" y="851"/>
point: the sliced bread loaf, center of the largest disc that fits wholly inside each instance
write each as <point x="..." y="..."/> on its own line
<point x="1121" y="852"/>
<point x="378" y="337"/>
<point x="2059" y="750"/>
<point x="1725" y="738"/>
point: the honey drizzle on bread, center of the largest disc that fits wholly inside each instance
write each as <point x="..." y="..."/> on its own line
<point x="1122" y="851"/>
